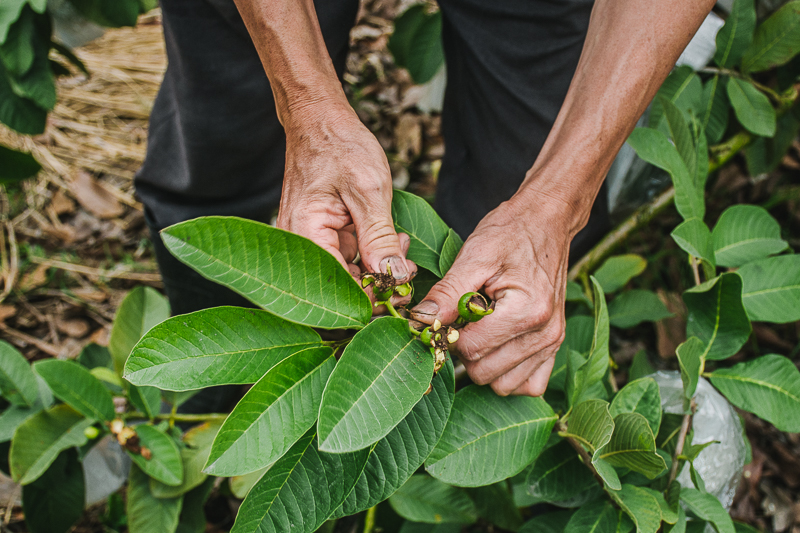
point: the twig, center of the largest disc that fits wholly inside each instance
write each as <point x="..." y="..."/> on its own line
<point x="179" y="417"/>
<point x="369" y="519"/>
<point x="585" y="457"/>
<point x="47" y="348"/>
<point x="695" y="269"/>
<point x="97" y="272"/>
<point x="685" y="425"/>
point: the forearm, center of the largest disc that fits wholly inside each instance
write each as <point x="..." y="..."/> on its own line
<point x="289" y="42"/>
<point x="631" y="46"/>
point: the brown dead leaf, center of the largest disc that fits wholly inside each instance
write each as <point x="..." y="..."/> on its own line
<point x="61" y="203"/>
<point x="100" y="336"/>
<point x="408" y="137"/>
<point x="7" y="311"/>
<point x="90" y="294"/>
<point x="34" y="279"/>
<point x="93" y="197"/>
<point x="74" y="327"/>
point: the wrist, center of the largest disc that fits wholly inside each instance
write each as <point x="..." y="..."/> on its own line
<point x="317" y="113"/>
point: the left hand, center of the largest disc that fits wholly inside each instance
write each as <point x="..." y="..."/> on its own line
<point x="518" y="256"/>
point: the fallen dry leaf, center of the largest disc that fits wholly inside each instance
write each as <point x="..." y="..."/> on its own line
<point x="34" y="279"/>
<point x="93" y="197"/>
<point x="61" y="203"/>
<point x="90" y="294"/>
<point x="75" y="327"/>
<point x="7" y="311"/>
<point x="100" y="336"/>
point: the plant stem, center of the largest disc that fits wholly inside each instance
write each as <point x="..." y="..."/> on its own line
<point x="585" y="457"/>
<point x="369" y="519"/>
<point x="686" y="424"/>
<point x="695" y="269"/>
<point x="178" y="417"/>
<point x="394" y="313"/>
<point x="172" y="414"/>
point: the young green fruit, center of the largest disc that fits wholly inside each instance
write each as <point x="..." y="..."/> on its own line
<point x="472" y="306"/>
<point x="91" y="432"/>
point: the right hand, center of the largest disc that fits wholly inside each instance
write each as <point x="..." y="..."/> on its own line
<point x="337" y="190"/>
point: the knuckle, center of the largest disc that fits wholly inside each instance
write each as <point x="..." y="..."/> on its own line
<point x="499" y="388"/>
<point x="536" y="389"/>
<point x="479" y="376"/>
<point x="539" y="314"/>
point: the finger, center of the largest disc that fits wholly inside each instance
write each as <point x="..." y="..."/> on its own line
<point x="536" y="384"/>
<point x="405" y="242"/>
<point x="348" y="245"/>
<point x="354" y="270"/>
<point x="378" y="243"/>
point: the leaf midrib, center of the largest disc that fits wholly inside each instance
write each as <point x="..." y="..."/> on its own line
<point x="768" y="47"/>
<point x="745" y="243"/>
<point x="764" y="384"/>
<point x="772" y="289"/>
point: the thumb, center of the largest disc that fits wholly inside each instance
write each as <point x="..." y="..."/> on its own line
<point x="442" y="300"/>
<point x="379" y="244"/>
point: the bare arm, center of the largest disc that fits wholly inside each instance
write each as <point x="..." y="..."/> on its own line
<point x="518" y="253"/>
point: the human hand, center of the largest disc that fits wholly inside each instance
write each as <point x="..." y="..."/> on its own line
<point x="519" y="258"/>
<point x="337" y="191"/>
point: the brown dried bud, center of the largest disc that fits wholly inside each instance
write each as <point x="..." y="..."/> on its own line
<point x="452" y="335"/>
<point x="146" y="453"/>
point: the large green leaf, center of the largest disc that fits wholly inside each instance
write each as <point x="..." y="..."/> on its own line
<point x="54" y="502"/>
<point x="13" y="417"/>
<point x="752" y="107"/>
<point x="78" y="388"/>
<point x="776" y="41"/>
<point x="683" y="88"/>
<point x="640" y="396"/>
<point x="764" y="155"/>
<point x="112" y="14"/>
<point x="654" y="147"/>
<point x="193" y="518"/>
<point x="495" y="503"/>
<point x="194" y="454"/>
<point x="301" y="490"/>
<point x="598" y="516"/>
<point x="428" y="500"/>
<point x="452" y="245"/>
<point x="18" y="113"/>
<point x="641" y="506"/>
<point x="636" y="306"/>
<point x="381" y="375"/>
<point x="578" y="337"/>
<point x="489" y="438"/>
<point x="165" y="464"/>
<point x="708" y="507"/>
<point x="618" y="270"/>
<point x="39" y="440"/>
<point x="591" y="424"/>
<point x="37" y="83"/>
<point x="416" y="43"/>
<point x="17" y="380"/>
<point x="768" y="387"/>
<point x="146" y="513"/>
<point x="141" y="309"/>
<point x="694" y="238"/>
<point x="745" y="233"/>
<point x="224" y="345"/>
<point x="714" y="110"/>
<point x="16" y="166"/>
<point x="633" y="446"/>
<point x="428" y="233"/>
<point x="146" y="399"/>
<point x="691" y="361"/>
<point x="9" y="13"/>
<point x="717" y="316"/>
<point x="559" y="474"/>
<point x="286" y="274"/>
<point x="678" y="128"/>
<point x="273" y="414"/>
<point x="590" y="374"/>
<point x="552" y="522"/>
<point x="736" y="35"/>
<point x="771" y="289"/>
<point x="399" y="454"/>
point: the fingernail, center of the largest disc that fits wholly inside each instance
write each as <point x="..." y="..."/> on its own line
<point x="397" y="266"/>
<point x="426" y="307"/>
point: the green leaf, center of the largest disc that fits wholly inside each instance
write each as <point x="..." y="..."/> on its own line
<point x="16" y="166"/>
<point x="9" y="13"/>
<point x="736" y="35"/>
<point x="607" y="472"/>
<point x="428" y="500"/>
<point x="37" y="83"/>
<point x="764" y="155"/>
<point x="17" y="380"/>
<point x="194" y="454"/>
<point x="691" y="360"/>
<point x="54" y="502"/>
<point x="668" y="514"/>
<point x="18" y="113"/>
<point x="496" y="504"/>
<point x="771" y="289"/>
<point x="575" y="294"/>
<point x="141" y="309"/>
<point x="752" y="107"/>
<point x="694" y="238"/>
<point x="768" y="387"/>
<point x="678" y="128"/>
<point x="273" y="414"/>
<point x="617" y="271"/>
<point x="633" y="446"/>
<point x="420" y="527"/>
<point x="301" y="490"/>
<point x="598" y="516"/>
<point x="714" y="110"/>
<point x="484" y="427"/>
<point x="146" y="399"/>
<point x="745" y="233"/>
<point x="633" y="307"/>
<point x="165" y="463"/>
<point x="552" y="522"/>
<point x="381" y="375"/>
<point x="241" y="485"/>
<point x="13" y="417"/>
<point x="94" y="356"/>
<point x="640" y="396"/>
<point x="223" y="345"/>
<point x="641" y="366"/>
<point x="578" y="337"/>
<point x="591" y="424"/>
<point x="697" y="480"/>
<point x="717" y="316"/>
<point x="399" y="454"/>
<point x="39" y="440"/>
<point x="192" y="518"/>
<point x="640" y="505"/>
<point x="683" y="88"/>
<point x="654" y="147"/>
<point x="427" y="232"/>
<point x="593" y="371"/>
<point x="452" y="245"/>
<point x="146" y="513"/>
<point x="708" y="507"/>
<point x="416" y="43"/>
<point x="78" y="388"/>
<point x="559" y="474"/>
<point x="111" y="14"/>
<point x="776" y="41"/>
<point x="286" y="274"/>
